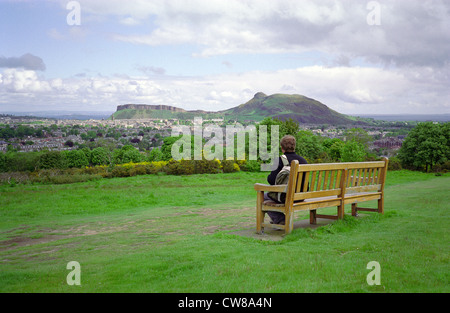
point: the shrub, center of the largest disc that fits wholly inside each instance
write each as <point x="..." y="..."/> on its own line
<point x="120" y="171"/>
<point x="206" y="166"/>
<point x="229" y="166"/>
<point x="138" y="170"/>
<point x="183" y="167"/>
<point x="394" y="164"/>
<point x="250" y="166"/>
<point x="52" y="160"/>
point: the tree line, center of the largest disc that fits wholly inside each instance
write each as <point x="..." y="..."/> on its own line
<point x="426" y="147"/>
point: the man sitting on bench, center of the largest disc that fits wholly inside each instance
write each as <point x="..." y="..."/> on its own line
<point x="288" y="148"/>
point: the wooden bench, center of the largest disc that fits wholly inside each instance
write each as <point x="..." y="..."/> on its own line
<point x="325" y="185"/>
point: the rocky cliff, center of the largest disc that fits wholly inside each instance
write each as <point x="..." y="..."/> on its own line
<point x="148" y="107"/>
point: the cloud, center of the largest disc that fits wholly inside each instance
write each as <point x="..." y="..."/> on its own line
<point x="344" y="89"/>
<point x="26" y="61"/>
<point x="411" y="32"/>
<point x="151" y="70"/>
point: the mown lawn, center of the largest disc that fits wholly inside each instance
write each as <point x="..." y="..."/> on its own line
<point x="176" y="234"/>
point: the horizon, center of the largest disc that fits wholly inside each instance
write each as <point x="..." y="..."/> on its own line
<point x="372" y="57"/>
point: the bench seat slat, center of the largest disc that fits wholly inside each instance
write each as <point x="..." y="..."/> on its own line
<point x="316" y="194"/>
<point x="368" y="188"/>
<point x="355" y="198"/>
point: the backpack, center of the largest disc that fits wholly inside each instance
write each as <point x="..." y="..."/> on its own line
<point x="281" y="179"/>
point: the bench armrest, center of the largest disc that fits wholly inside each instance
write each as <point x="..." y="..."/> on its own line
<point x="274" y="188"/>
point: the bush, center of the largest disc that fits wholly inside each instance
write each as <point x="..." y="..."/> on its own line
<point x="52" y="160"/>
<point x="120" y="171"/>
<point x="229" y="166"/>
<point x="183" y="167"/>
<point x="394" y="164"/>
<point x="353" y="151"/>
<point x="250" y="166"/>
<point x="138" y="170"/>
<point x="206" y="166"/>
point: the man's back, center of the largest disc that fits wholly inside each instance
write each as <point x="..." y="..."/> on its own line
<point x="290" y="156"/>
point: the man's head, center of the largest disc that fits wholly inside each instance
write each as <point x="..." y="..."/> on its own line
<point x="288" y="143"/>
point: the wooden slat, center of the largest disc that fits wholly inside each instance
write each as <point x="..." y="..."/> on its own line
<point x="364" y="177"/>
<point x="366" y="209"/>
<point x="361" y="198"/>
<point x="299" y="182"/>
<point x="354" y="177"/>
<point x="338" y="179"/>
<point x="378" y="175"/>
<point x="326" y="182"/>
<point x="332" y="182"/>
<point x="339" y="166"/>
<point x="275" y="188"/>
<point x="316" y="194"/>
<point x="333" y="217"/>
<point x="319" y="181"/>
<point x="313" y="181"/>
<point x="305" y="186"/>
<point x="302" y="206"/>
<point x="370" y="176"/>
<point x="368" y="188"/>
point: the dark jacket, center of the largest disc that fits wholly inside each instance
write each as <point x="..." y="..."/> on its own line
<point x="290" y="156"/>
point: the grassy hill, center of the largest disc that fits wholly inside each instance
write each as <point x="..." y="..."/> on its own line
<point x="282" y="106"/>
<point x="161" y="114"/>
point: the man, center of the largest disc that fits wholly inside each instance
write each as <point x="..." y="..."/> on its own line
<point x="288" y="148"/>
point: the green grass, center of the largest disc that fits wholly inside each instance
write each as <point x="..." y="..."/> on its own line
<point x="176" y="234"/>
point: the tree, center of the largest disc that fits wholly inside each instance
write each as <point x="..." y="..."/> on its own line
<point x="76" y="158"/>
<point x="126" y="154"/>
<point x="289" y="127"/>
<point x="359" y="135"/>
<point x="427" y="145"/>
<point x="52" y="159"/>
<point x="155" y="155"/>
<point x="308" y="145"/>
<point x="100" y="156"/>
<point x="334" y="148"/>
<point x="353" y="151"/>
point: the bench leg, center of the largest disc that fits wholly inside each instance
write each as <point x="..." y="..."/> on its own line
<point x="312" y="217"/>
<point x="381" y="205"/>
<point x="259" y="212"/>
<point x="354" y="210"/>
<point x="340" y="211"/>
<point x="289" y="222"/>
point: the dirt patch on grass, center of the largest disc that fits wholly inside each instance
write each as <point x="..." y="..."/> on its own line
<point x="177" y="223"/>
<point x="275" y="234"/>
<point x="22" y="241"/>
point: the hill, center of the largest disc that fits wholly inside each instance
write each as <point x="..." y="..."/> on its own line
<point x="282" y="106"/>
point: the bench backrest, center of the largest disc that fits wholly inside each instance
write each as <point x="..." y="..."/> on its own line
<point x="334" y="179"/>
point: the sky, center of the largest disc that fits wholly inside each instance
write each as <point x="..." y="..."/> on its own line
<point x="355" y="56"/>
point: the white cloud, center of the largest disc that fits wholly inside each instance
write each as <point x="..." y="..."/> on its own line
<point x="411" y="32"/>
<point x="344" y="89"/>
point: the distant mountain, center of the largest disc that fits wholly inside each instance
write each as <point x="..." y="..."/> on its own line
<point x="281" y="106"/>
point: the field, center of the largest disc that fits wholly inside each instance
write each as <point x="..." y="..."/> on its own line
<point x="163" y="233"/>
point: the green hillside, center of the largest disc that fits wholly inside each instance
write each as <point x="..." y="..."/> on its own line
<point x="281" y="106"/>
<point x="161" y="114"/>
